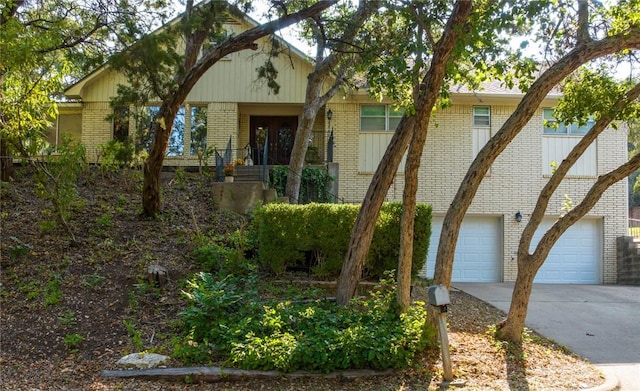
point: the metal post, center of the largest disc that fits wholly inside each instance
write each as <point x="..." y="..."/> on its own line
<point x="330" y="145"/>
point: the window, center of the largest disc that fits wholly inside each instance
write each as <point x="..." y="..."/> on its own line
<point x="198" y="130"/>
<point x="552" y="126"/>
<point x="481" y="116"/>
<point x="144" y="136"/>
<point x="379" y="117"/>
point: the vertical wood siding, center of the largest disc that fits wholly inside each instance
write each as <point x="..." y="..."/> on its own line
<point x="556" y="148"/>
<point x="372" y="148"/>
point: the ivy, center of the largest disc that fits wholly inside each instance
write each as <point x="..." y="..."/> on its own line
<point x="315" y="184"/>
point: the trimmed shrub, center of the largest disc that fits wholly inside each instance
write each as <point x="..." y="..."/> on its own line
<point x="287" y="233"/>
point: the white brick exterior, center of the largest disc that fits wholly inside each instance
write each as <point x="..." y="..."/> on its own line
<point x="512" y="185"/>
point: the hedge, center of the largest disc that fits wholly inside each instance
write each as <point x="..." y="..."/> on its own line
<point x="287" y="234"/>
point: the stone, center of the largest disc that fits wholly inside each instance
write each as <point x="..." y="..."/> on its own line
<point x="142" y="360"/>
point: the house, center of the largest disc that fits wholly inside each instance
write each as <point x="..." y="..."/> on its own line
<point x="228" y="104"/>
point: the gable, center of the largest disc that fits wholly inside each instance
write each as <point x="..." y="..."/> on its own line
<point x="232" y="79"/>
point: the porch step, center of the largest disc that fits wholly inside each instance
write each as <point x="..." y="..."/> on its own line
<point x="248" y="174"/>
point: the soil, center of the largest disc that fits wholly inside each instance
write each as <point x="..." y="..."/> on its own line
<point x="69" y="310"/>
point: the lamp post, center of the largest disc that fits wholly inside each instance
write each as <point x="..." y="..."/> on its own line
<point x="330" y="143"/>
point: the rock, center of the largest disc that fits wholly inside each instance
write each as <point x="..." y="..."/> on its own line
<point x="142" y="360"/>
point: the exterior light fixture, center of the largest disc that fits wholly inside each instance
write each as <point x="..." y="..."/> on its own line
<point x="518" y="216"/>
<point x="329" y="114"/>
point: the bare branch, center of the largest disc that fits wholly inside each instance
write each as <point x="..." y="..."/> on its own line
<point x="583" y="22"/>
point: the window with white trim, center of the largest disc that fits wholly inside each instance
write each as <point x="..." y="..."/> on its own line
<point x="379" y="118"/>
<point x="480" y="128"/>
<point x="552" y="126"/>
<point x="481" y="116"/>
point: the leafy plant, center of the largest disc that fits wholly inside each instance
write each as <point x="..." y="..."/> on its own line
<point x="57" y="176"/>
<point x="72" y="341"/>
<point x="67" y="318"/>
<point x="225" y="320"/>
<point x="53" y="292"/>
<point x="91" y="280"/>
<point x="134" y="334"/>
<point x="225" y="254"/>
<point x="181" y="179"/>
<point x="19" y="248"/>
<point x="104" y="220"/>
<point x="114" y="155"/>
<point x="314" y="184"/>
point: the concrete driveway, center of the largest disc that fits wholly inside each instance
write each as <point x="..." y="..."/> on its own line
<point x="599" y="322"/>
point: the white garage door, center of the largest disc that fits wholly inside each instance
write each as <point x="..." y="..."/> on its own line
<point x="576" y="257"/>
<point x="478" y="251"/>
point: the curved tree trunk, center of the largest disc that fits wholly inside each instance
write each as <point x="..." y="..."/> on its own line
<point x="296" y="162"/>
<point x="365" y="223"/>
<point x="581" y="54"/>
<point x="407" y="221"/>
<point x="151" y="193"/>
<point x="528" y="265"/>
<point x="151" y="196"/>
<point x="512" y="330"/>
<point x="314" y="99"/>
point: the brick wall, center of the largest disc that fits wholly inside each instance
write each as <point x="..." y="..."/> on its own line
<point x="513" y="184"/>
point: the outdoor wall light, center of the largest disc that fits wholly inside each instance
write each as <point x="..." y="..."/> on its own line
<point x="518" y="216"/>
<point x="329" y="114"/>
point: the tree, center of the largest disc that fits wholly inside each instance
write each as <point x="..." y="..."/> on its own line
<point x="329" y="74"/>
<point x="155" y="69"/>
<point x="427" y="96"/>
<point x="480" y="51"/>
<point x="623" y="35"/>
<point x="43" y="46"/>
<point x="594" y="91"/>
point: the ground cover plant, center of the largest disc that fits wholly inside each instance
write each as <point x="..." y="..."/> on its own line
<point x="228" y="321"/>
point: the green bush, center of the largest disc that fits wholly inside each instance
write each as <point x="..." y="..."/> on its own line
<point x="286" y="232"/>
<point x="225" y="321"/>
<point x="225" y="254"/>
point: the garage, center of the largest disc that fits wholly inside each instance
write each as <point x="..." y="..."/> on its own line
<point x="576" y="257"/>
<point x="478" y="256"/>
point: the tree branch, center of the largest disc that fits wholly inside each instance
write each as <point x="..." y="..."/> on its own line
<point x="545" y="195"/>
<point x="589" y="201"/>
<point x="583" y="22"/>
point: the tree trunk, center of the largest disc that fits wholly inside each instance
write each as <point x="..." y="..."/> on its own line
<point x="581" y="54"/>
<point x="151" y="191"/>
<point x="365" y="223"/>
<point x="407" y="222"/>
<point x="528" y="265"/>
<point x="300" y="144"/>
<point x="313" y="98"/>
<point x="6" y="161"/>
<point x="512" y="328"/>
<point x="151" y="195"/>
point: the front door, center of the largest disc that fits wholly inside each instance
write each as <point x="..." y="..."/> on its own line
<point x="281" y="131"/>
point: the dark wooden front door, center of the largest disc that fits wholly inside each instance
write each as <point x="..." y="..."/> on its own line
<point x="281" y="131"/>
